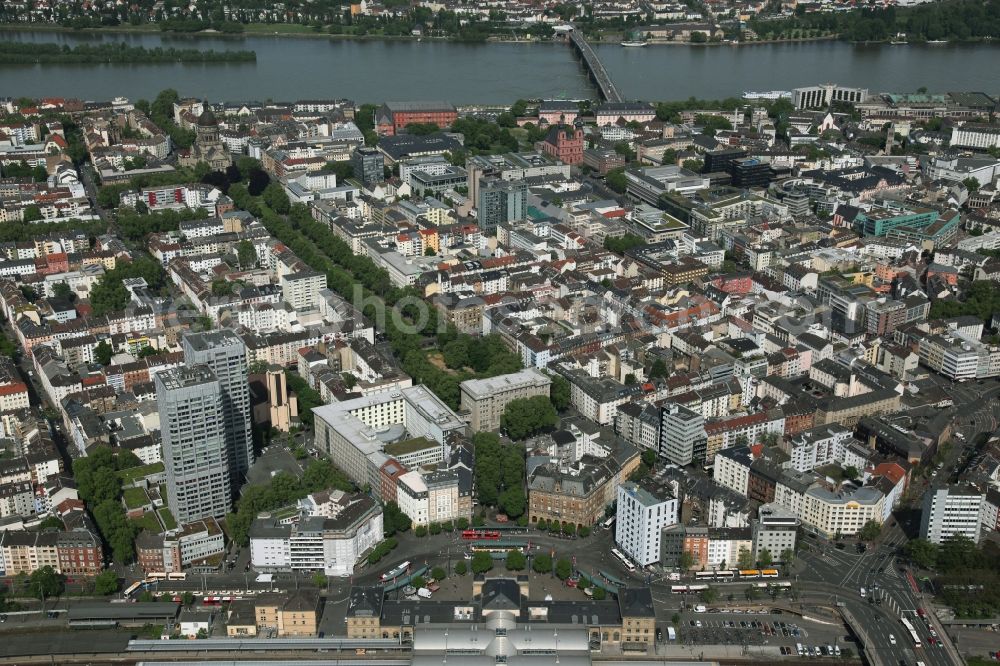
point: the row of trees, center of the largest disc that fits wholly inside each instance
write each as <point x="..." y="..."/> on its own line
<point x="136" y="225"/>
<point x="20" y="53"/>
<point x="357" y="278"/>
<point x="100" y="487"/>
<point x="499" y="474"/>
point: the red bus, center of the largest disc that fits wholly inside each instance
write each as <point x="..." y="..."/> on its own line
<point x="480" y="535"/>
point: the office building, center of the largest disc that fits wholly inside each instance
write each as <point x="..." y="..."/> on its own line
<point x="365" y="433"/>
<point x="682" y="435"/>
<point x="643" y="512"/>
<point x="951" y="511"/>
<point x="718" y="161"/>
<point x="192" y="427"/>
<point x="486" y="399"/>
<point x="815" y="97"/>
<point x="369" y="165"/>
<point x="500" y="201"/>
<point x="225" y="355"/>
<point x="432" y="497"/>
<point x="328" y="536"/>
<point x="774" y="531"/>
<point x="750" y="172"/>
<point x="975" y="136"/>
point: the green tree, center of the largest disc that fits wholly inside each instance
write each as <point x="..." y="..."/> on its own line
<point x="343" y="170"/>
<point x="63" y="291"/>
<point x="971" y="184"/>
<point x="624" y="243"/>
<point x="51" y="523"/>
<point x="870" y="531"/>
<point x="481" y="562"/>
<point x="787" y="556"/>
<point x="438" y="573"/>
<point x="583" y="532"/>
<point x="527" y="416"/>
<point x="515" y="560"/>
<point x="709" y="595"/>
<point x="106" y="582"/>
<point x="922" y="552"/>
<point x="542" y="563"/>
<point x="246" y="255"/>
<point x="600" y="594"/>
<point x="512" y="502"/>
<point x="693" y="165"/>
<point x="103" y="353"/>
<point x="745" y="559"/>
<point x="685" y="561"/>
<point x="460" y="568"/>
<point x="563" y="568"/>
<point x="422" y="129"/>
<point x="711" y="124"/>
<point x="764" y="558"/>
<point x="319" y="580"/>
<point x="32" y="213"/>
<point x="276" y="199"/>
<point x="851" y="472"/>
<point x="615" y="180"/>
<point x="45" y="583"/>
<point x="658" y="369"/>
<point x="420" y="531"/>
<point x="559" y="392"/>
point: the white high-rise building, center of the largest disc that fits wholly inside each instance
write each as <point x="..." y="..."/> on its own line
<point x="951" y="511"/>
<point x="641" y="517"/>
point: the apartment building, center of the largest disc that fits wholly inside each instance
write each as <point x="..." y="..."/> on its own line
<point x="71" y="553"/>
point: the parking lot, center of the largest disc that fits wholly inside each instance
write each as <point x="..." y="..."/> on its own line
<point x="760" y="628"/>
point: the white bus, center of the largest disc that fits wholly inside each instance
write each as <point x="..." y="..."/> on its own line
<point x="624" y="560"/>
<point x="397" y="572"/>
<point x="606" y="525"/>
<point x="913" y="632"/>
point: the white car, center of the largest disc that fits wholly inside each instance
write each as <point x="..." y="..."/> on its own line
<point x="892" y="639"/>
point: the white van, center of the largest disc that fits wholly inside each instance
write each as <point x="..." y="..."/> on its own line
<point x="798" y="648"/>
<point x="699" y="609"/>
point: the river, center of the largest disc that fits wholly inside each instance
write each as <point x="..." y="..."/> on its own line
<point x="290" y="68"/>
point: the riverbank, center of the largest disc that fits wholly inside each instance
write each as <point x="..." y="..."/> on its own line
<point x="14" y="53"/>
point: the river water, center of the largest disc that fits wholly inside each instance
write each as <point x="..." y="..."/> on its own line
<point x="290" y="68"/>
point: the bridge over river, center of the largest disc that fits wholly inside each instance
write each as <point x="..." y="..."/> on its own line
<point x="609" y="92"/>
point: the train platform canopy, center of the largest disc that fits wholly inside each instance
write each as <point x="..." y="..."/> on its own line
<point x="140" y="611"/>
